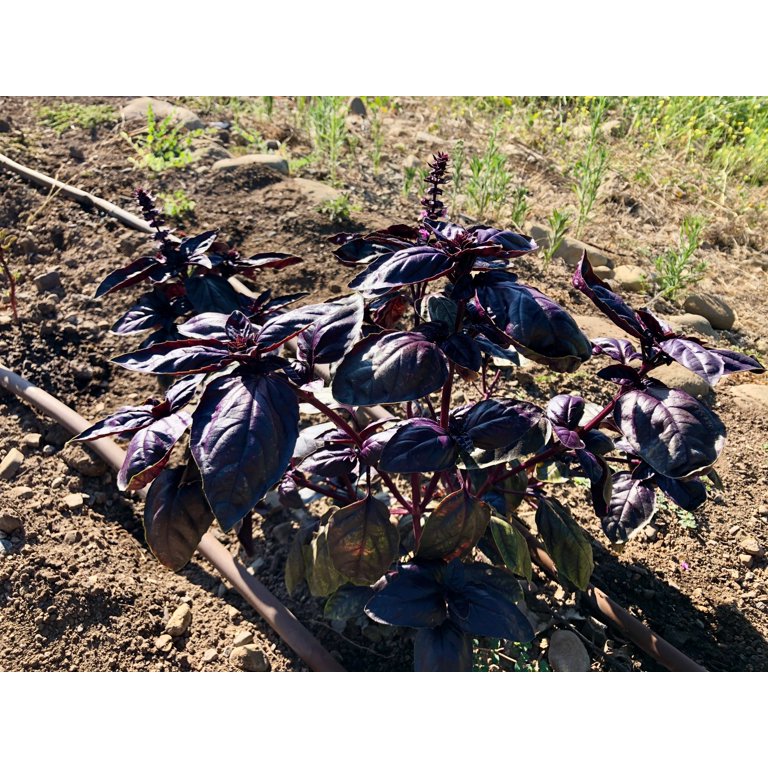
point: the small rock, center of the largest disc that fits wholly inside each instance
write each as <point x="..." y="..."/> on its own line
<point x="5" y="126"/>
<point x="22" y="492"/>
<point x="5" y="547"/>
<point x="49" y="450"/>
<point x="249" y="658"/>
<point x="208" y="151"/>
<point x="5" y="322"/>
<point x="750" y="395"/>
<point x="751" y="546"/>
<point x="11" y="464"/>
<point x="746" y="560"/>
<point x="9" y="523"/>
<point x="567" y="653"/>
<point x="603" y="272"/>
<point x="570" y="251"/>
<point x="32" y="440"/>
<point x="179" y="622"/>
<point x="422" y="137"/>
<point x="357" y="106"/>
<point x="734" y="529"/>
<point x="72" y="537"/>
<point x="243" y="638"/>
<point x="164" y="643"/>
<point x="136" y="112"/>
<point x="272" y="145"/>
<point x="28" y="245"/>
<point x="275" y="162"/>
<point x="598" y="326"/>
<point x="209" y="655"/>
<point x="719" y="314"/>
<point x="676" y="376"/>
<point x="77" y="154"/>
<point x="315" y="192"/>
<point x="411" y="162"/>
<point x="50" y="281"/>
<point x="74" y="501"/>
<point x="76" y="457"/>
<point x="691" y="324"/>
<point x="630" y="278"/>
<point x="650" y="532"/>
<point x="234" y="614"/>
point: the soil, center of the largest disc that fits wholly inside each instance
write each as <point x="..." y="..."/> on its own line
<point x="78" y="588"/>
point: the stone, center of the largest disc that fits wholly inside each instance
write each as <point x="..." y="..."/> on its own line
<point x="5" y="547"/>
<point x="74" y="501"/>
<point x="356" y="106"/>
<point x="76" y="457"/>
<point x="746" y="560"/>
<point x="272" y="145"/>
<point x="715" y="309"/>
<point x="422" y="137"/>
<point x="209" y="655"/>
<point x="249" y="658"/>
<point x="570" y="250"/>
<point x="750" y="395"/>
<point x="315" y="192"/>
<point x="751" y="546"/>
<point x="676" y="376"/>
<point x="630" y="278"/>
<point x="234" y="614"/>
<point x="11" y="464"/>
<point x="32" y="440"/>
<point x="598" y="326"/>
<point x="604" y="273"/>
<point x="243" y="638"/>
<point x="6" y="321"/>
<point x="50" y="281"/>
<point x="164" y="643"/>
<point x="135" y="111"/>
<point x="690" y="324"/>
<point x="180" y="620"/>
<point x="22" y="492"/>
<point x="72" y="537"/>
<point x="650" y="532"/>
<point x="209" y="151"/>
<point x="9" y="523"/>
<point x="567" y="653"/>
<point x="411" y="162"/>
<point x="276" y="162"/>
<point x="77" y="154"/>
<point x="5" y="126"/>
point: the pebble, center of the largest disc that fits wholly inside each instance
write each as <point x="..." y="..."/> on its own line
<point x="277" y="163"/>
<point x="249" y="658"/>
<point x="357" y="106"/>
<point x="243" y="638"/>
<point x="5" y="322"/>
<point x="22" y="492"/>
<point x="604" y="273"/>
<point x="676" y="376"/>
<point x="179" y="622"/>
<point x="5" y="547"/>
<point x="210" y="655"/>
<point x="746" y="560"/>
<point x="714" y="308"/>
<point x="136" y="111"/>
<point x="78" y="458"/>
<point x="164" y="643"/>
<point x="74" y="501"/>
<point x="692" y="324"/>
<point x="234" y="614"/>
<point x="57" y="482"/>
<point x="650" y="532"/>
<point x="72" y="537"/>
<point x="273" y="145"/>
<point x="315" y="192"/>
<point x="751" y="546"/>
<point x="567" y="653"/>
<point x="9" y="523"/>
<point x="749" y="396"/>
<point x="571" y="250"/>
<point x="11" y="464"/>
<point x="32" y="440"/>
<point x="734" y="529"/>
<point x="49" y="450"/>
<point x="50" y="281"/>
<point x="5" y="126"/>
<point x="630" y="278"/>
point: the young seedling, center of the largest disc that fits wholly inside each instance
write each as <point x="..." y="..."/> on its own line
<point x="679" y="268"/>
<point x="558" y="221"/>
<point x="164" y="145"/>
<point x="590" y="169"/>
<point x="489" y="179"/>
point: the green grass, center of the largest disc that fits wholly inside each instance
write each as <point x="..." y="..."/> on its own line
<point x="326" y="118"/>
<point x="164" y="145"/>
<point x="69" y="115"/>
<point x="680" y="268"/>
<point x="488" y="180"/>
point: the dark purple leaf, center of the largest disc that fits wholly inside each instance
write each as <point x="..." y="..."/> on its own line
<point x="495" y="350"/>
<point x="126" y="421"/>
<point x="176" y="515"/>
<point x="734" y="362"/>
<point x="389" y="368"/>
<point x="620" y="350"/>
<point x="239" y="329"/>
<point x="406" y="267"/>
<point x="656" y="326"/>
<point x="632" y="505"/>
<point x="336" y="329"/>
<point x="361" y="251"/>
<point x="150" y="311"/>
<point x="688" y="494"/>
<point x="206" y="325"/>
<point x="485" y="611"/>
<point x="264" y="261"/>
<point x="362" y="540"/>
<point x="600" y="479"/>
<point x="243" y="433"/>
<point x="330" y="462"/>
<point x="276" y="331"/>
<point x="540" y="328"/>
<point x="605" y="299"/>
<point x="191" y="249"/>
<point x="421" y="445"/>
<point x="566" y="410"/>
<point x="670" y="430"/>
<point x="597" y="442"/>
<point x="565" y="542"/>
<point x="410" y="597"/>
<point x="347" y="603"/>
<point x="176" y="357"/>
<point x="374" y="445"/>
<point x="512" y="243"/>
<point x="445" y="231"/>
<point x="496" y="423"/>
<point x="454" y="527"/>
<point x="211" y="293"/>
<point x="442" y="649"/>
<point x="463" y="350"/>
<point x="149" y="451"/>
<point x="321" y="576"/>
<point x="183" y="390"/>
<point x="568" y="437"/>
<point x="620" y="374"/>
<point x="125" y="277"/>
<point x="311" y="439"/>
<point x="702" y="362"/>
<point x="441" y="309"/>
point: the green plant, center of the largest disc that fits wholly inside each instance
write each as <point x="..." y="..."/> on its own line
<point x="685" y="517"/>
<point x="375" y="107"/>
<point x="489" y="179"/>
<point x="409" y="177"/>
<point x="558" y="221"/>
<point x="69" y="114"/>
<point x="328" y="129"/>
<point x="459" y="157"/>
<point x="177" y="204"/>
<point x="164" y="145"/>
<point x="678" y="268"/>
<point x="589" y="170"/>
<point x="519" y="206"/>
<point x="337" y="209"/>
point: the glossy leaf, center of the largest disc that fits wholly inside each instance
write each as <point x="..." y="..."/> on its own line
<point x="620" y="350"/>
<point x="632" y="505"/>
<point x="322" y="578"/>
<point x="176" y="357"/>
<point x="463" y="350"/>
<point x="337" y="328"/>
<point x="565" y="542"/>
<point x="409" y="597"/>
<point x="454" y="527"/>
<point x="176" y="515"/>
<point x="330" y="462"/>
<point x="688" y="494"/>
<point x="243" y="433"/>
<point x="362" y="541"/>
<point x="211" y="293"/>
<point x="512" y="547"/>
<point x="125" y="277"/>
<point x="733" y="362"/>
<point x="670" y="430"/>
<point x="407" y="267"/>
<point x="389" y="368"/>
<point x="126" y="421"/>
<point x="421" y="445"/>
<point x="496" y="423"/>
<point x="507" y="495"/>
<point x="703" y="362"/>
<point x="441" y="309"/>
<point x="206" y="325"/>
<point x="442" y="649"/>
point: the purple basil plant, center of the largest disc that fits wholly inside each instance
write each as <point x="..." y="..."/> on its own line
<point x="423" y="532"/>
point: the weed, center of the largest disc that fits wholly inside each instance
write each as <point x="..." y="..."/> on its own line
<point x="685" y="518"/>
<point x="558" y="221"/>
<point x="459" y="157"/>
<point x="590" y="169"/>
<point x="519" y="206"/>
<point x="177" y="205"/>
<point x="488" y="180"/>
<point x="328" y="130"/>
<point x="375" y="107"/>
<point x="337" y="210"/>
<point x="68" y="115"/>
<point x="165" y="145"/>
<point x="409" y="177"/>
<point x="678" y="268"/>
<point x="518" y="656"/>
